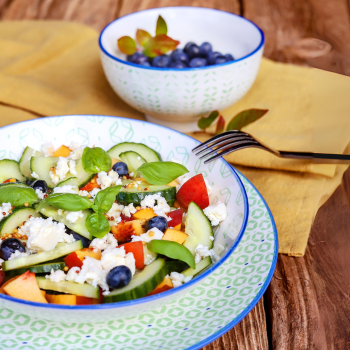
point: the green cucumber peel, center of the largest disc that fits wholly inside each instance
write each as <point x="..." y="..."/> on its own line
<point x="66" y="201"/>
<point x="18" y="195"/>
<point x="95" y="160"/>
<point x="161" y="173"/>
<point x="172" y="250"/>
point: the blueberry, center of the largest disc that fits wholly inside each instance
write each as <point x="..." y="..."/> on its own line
<point x="178" y="64"/>
<point x="121" y="168"/>
<point x="120" y="276"/>
<point x="220" y="59"/>
<point x="161" y="61"/>
<point x="160" y="222"/>
<point x="190" y="43"/>
<point x="39" y="185"/>
<point x="86" y="242"/>
<point x="198" y="62"/>
<point x="211" y="57"/>
<point x="137" y="58"/>
<point x="179" y="55"/>
<point x="193" y="51"/>
<point x="9" y="246"/>
<point x="229" y="57"/>
<point x="29" y="182"/>
<point x="205" y="49"/>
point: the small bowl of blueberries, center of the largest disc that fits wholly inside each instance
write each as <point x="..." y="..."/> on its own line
<point x="197" y="60"/>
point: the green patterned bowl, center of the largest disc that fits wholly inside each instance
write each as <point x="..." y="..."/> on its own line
<point x="177" y="97"/>
<point x="105" y="132"/>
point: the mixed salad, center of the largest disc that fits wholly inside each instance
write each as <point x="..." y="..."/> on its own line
<point x="81" y="225"/>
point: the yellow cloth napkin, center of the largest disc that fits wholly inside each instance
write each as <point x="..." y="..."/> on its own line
<point x="53" y="68"/>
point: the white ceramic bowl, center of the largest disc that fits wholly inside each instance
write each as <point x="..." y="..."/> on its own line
<point x="105" y="132"/>
<point x="177" y="97"/>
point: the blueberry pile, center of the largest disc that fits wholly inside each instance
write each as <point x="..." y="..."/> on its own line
<point x="191" y="56"/>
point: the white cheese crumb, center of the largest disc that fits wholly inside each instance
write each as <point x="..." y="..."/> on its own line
<point x="106" y="180"/>
<point x="47" y="149"/>
<point x="94" y="192"/>
<point x="56" y="276"/>
<point x="128" y="210"/>
<point x="211" y="238"/>
<point x="72" y="274"/>
<point x="17" y="254"/>
<point x="83" y="193"/>
<point x="103" y="243"/>
<point x="73" y="216"/>
<point x="202" y="252"/>
<point x="153" y="233"/>
<point x="35" y="175"/>
<point x="74" y="145"/>
<point x="178" y="279"/>
<point x="5" y="210"/>
<point x="161" y="208"/>
<point x="61" y="170"/>
<point x="72" y="167"/>
<point x="65" y="189"/>
<point x="216" y="213"/>
<point x="115" y="211"/>
<point x="40" y="193"/>
<point x="131" y="174"/>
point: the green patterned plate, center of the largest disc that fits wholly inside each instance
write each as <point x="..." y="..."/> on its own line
<point x="191" y="322"/>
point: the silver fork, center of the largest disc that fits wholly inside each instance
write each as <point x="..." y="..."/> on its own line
<point x="234" y="140"/>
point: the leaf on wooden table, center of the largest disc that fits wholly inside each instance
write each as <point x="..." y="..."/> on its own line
<point x="220" y="126"/>
<point x="127" y="45"/>
<point x="142" y="37"/>
<point x="161" y="27"/>
<point x="159" y="45"/>
<point x="205" y="122"/>
<point x="245" y="118"/>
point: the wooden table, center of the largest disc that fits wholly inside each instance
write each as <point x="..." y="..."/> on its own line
<point x="307" y="304"/>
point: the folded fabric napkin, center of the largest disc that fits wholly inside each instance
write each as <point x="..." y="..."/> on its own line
<point x="53" y="68"/>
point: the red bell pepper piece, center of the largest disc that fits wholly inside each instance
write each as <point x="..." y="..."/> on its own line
<point x="193" y="190"/>
<point x="137" y="249"/>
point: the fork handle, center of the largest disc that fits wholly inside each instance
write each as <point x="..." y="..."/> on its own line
<point x="321" y="158"/>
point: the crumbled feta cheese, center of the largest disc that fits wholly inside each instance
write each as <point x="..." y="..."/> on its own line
<point x="162" y="206"/>
<point x="72" y="167"/>
<point x="178" y="279"/>
<point x="83" y="193"/>
<point x="106" y="180"/>
<point x="128" y="210"/>
<point x="5" y="210"/>
<point x="65" y="189"/>
<point x="112" y="257"/>
<point x="103" y="243"/>
<point x="73" y="216"/>
<point x="209" y="188"/>
<point x="44" y="234"/>
<point x="56" y="276"/>
<point x="40" y="193"/>
<point x="153" y="233"/>
<point x="61" y="170"/>
<point x="202" y="252"/>
<point x="35" y="175"/>
<point x="47" y="149"/>
<point x="76" y="153"/>
<point x="187" y="279"/>
<point x="74" y="145"/>
<point x="72" y="274"/>
<point x="17" y="254"/>
<point x="115" y="211"/>
<point x="94" y="192"/>
<point x="211" y="238"/>
<point x="130" y="262"/>
<point x="216" y="213"/>
<point x="131" y="174"/>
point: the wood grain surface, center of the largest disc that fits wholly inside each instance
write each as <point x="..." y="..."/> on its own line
<point x="307" y="304"/>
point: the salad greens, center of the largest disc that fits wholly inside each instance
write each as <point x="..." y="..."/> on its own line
<point x="97" y="225"/>
<point x="66" y="201"/>
<point x="95" y="160"/>
<point x="18" y="195"/>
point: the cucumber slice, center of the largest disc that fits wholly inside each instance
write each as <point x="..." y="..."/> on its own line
<point x="10" y="169"/>
<point x="141" y="284"/>
<point x="42" y="257"/>
<point x="134" y="195"/>
<point x="24" y="162"/>
<point x="84" y="290"/>
<point x="132" y="159"/>
<point x="41" y="166"/>
<point x="147" y="153"/>
<point x="42" y="268"/>
<point x="198" y="228"/>
<point x="199" y="267"/>
<point x="176" y="266"/>
<point x="82" y="176"/>
<point x="72" y="181"/>
<point x="18" y="216"/>
<point x="78" y="226"/>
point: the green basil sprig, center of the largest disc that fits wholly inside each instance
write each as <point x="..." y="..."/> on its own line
<point x="161" y="173"/>
<point x="95" y="160"/>
<point x="172" y="250"/>
<point x="96" y="223"/>
<point x="18" y="195"/>
<point x="66" y="201"/>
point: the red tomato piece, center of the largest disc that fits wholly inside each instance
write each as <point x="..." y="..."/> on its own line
<point x="176" y="217"/>
<point x="2" y="277"/>
<point x="72" y="260"/>
<point x="193" y="190"/>
<point x="137" y="249"/>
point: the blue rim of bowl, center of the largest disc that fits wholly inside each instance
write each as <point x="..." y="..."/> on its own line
<point x="156" y="296"/>
<point x="262" y="41"/>
<point x="252" y="304"/>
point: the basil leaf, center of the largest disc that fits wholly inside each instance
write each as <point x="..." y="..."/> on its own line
<point x="172" y="250"/>
<point x="97" y="225"/>
<point x="161" y="173"/>
<point x="66" y="201"/>
<point x="105" y="198"/>
<point x="95" y="160"/>
<point x="205" y="122"/>
<point x="245" y="118"/>
<point x="18" y="195"/>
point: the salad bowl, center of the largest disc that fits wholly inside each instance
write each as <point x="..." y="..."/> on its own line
<point x="177" y="97"/>
<point x="105" y="132"/>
